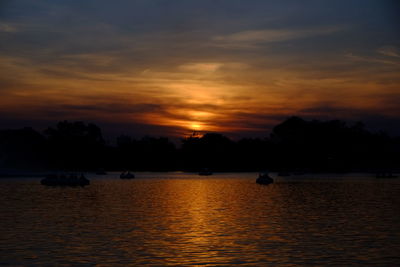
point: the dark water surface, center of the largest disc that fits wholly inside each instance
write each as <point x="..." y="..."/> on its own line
<point x="183" y="219"/>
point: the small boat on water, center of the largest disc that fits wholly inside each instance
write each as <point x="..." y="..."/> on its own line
<point x="127" y="175"/>
<point x="264" y="178"/>
<point x="205" y="172"/>
<point x="385" y="175"/>
<point x="101" y="172"/>
<point x="65" y="180"/>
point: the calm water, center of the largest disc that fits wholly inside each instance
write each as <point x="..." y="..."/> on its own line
<point x="183" y="219"/>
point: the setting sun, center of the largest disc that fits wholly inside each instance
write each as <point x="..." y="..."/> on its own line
<point x="139" y="133"/>
<point x="237" y="78"/>
<point x="196" y="126"/>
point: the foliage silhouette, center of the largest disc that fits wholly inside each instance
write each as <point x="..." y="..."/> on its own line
<point x="294" y="145"/>
<point x="75" y="145"/>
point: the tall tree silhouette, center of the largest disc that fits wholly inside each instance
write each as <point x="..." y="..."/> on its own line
<point x="75" y="145"/>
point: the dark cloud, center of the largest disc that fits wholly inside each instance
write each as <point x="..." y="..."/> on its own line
<point x="373" y="121"/>
<point x="115" y="108"/>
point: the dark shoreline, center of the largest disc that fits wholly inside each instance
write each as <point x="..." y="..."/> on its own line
<point x="33" y="174"/>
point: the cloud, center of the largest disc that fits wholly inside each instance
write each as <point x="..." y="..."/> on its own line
<point x="115" y="107"/>
<point x="4" y="27"/>
<point x="173" y="63"/>
<point x="370" y="59"/>
<point x="373" y="120"/>
<point x="200" y="67"/>
<point x="390" y="51"/>
<point x="254" y="37"/>
<point x="208" y="67"/>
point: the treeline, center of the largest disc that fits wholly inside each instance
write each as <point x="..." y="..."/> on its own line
<point x="293" y="145"/>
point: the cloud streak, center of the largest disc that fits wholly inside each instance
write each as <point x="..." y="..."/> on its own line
<point x="250" y="38"/>
<point x="229" y="66"/>
<point x="390" y="51"/>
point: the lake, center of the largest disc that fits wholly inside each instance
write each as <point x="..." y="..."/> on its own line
<point x="226" y="219"/>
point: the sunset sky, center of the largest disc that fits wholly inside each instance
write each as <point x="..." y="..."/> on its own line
<point x="170" y="67"/>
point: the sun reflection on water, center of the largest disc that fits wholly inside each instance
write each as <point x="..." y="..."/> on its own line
<point x="221" y="220"/>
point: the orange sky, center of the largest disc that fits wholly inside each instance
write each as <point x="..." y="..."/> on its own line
<point x="180" y="74"/>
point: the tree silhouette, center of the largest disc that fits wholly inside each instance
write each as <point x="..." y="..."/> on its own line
<point x="212" y="150"/>
<point x="75" y="145"/>
<point x="294" y="145"/>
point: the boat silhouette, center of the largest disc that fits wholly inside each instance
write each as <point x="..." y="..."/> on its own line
<point x="205" y="172"/>
<point x="127" y="175"/>
<point x="385" y="175"/>
<point x="65" y="180"/>
<point x="264" y="178"/>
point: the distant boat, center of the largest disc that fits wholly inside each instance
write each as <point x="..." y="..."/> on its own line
<point x="385" y="175"/>
<point x="205" y="172"/>
<point x="65" y="180"/>
<point x="101" y="172"/>
<point x="264" y="178"/>
<point x="127" y="175"/>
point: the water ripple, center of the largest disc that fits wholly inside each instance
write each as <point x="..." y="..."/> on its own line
<point x="220" y="221"/>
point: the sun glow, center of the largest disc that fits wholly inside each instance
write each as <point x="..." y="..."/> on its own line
<point x="196" y="126"/>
